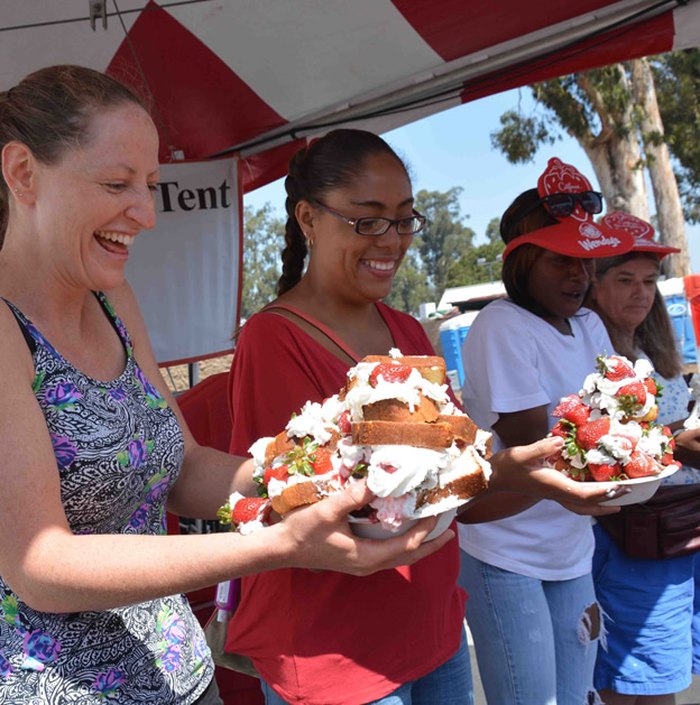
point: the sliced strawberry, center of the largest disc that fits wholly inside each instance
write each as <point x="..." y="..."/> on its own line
<point x="650" y="385"/>
<point x="635" y="390"/>
<point x="281" y="472"/>
<point x="588" y="435"/>
<point x="572" y="409"/>
<point x="344" y="423"/>
<point x="321" y="461"/>
<point x="667" y="459"/>
<point x="640" y="465"/>
<point x="603" y="472"/>
<point x="389" y="372"/>
<point x="615" y="368"/>
<point x="248" y="509"/>
<point x="388" y="468"/>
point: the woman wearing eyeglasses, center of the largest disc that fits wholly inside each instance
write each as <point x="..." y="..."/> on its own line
<point x="395" y="638"/>
<point x="532" y="608"/>
<point x="314" y="637"/>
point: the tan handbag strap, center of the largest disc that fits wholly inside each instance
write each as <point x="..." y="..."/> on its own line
<point x="323" y="335"/>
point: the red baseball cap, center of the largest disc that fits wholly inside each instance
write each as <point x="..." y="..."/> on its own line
<point x="641" y="231"/>
<point x="576" y="234"/>
<point x="576" y="238"/>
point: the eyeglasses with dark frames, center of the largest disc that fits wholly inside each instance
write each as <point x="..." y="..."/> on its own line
<point x="378" y="226"/>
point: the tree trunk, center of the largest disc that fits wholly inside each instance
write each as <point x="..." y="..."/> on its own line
<point x="615" y="152"/>
<point x="669" y="211"/>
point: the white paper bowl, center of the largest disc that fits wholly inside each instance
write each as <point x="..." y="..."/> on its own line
<point x="366" y="529"/>
<point x="641" y="488"/>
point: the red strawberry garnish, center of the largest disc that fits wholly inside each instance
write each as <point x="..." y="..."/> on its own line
<point x="281" y="472"/>
<point x="640" y="465"/>
<point x="615" y="368"/>
<point x="572" y="409"/>
<point x="389" y="372"/>
<point x="321" y="461"/>
<point x="667" y="459"/>
<point x="344" y="423"/>
<point x="560" y="429"/>
<point x="603" y="472"/>
<point x="248" y="509"/>
<point x="634" y="389"/>
<point x="650" y="385"/>
<point x="588" y="435"/>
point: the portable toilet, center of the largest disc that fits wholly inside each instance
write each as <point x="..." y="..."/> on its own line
<point x="678" y="308"/>
<point x="452" y="334"/>
<point x="691" y="284"/>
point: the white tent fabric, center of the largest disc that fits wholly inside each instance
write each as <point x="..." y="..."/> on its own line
<point x="252" y="76"/>
<point x="186" y="271"/>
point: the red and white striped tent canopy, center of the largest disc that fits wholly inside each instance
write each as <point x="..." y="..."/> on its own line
<point x="253" y="79"/>
<point x="253" y="76"/>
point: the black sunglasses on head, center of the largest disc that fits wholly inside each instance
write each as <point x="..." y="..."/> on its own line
<point x="561" y="205"/>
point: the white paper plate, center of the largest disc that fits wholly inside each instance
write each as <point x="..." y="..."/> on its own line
<point x="361" y="526"/>
<point x="641" y="488"/>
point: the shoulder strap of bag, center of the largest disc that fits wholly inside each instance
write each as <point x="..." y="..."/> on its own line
<point x="323" y="335"/>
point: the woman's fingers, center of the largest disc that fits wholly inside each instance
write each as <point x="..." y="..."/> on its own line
<point x="525" y="469"/>
<point x="323" y="539"/>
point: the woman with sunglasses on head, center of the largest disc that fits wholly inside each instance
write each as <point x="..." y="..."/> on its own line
<point x="649" y="602"/>
<point x="395" y="638"/>
<point x="533" y="612"/>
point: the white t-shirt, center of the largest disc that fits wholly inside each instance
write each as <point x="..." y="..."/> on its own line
<point x="514" y="360"/>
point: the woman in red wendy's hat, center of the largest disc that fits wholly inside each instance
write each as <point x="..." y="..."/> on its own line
<point x="532" y="608"/>
<point x="649" y="602"/>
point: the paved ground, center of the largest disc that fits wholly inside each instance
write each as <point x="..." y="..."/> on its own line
<point x="687" y="697"/>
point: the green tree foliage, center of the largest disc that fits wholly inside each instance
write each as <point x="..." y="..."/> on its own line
<point x="493" y="231"/>
<point x="410" y="288"/>
<point x="263" y="241"/>
<point x="677" y="78"/>
<point x="445" y="237"/>
<point x="575" y="103"/>
<point x="480" y="264"/>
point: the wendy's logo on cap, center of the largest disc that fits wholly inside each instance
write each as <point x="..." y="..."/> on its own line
<point x="593" y="238"/>
<point x="590" y="231"/>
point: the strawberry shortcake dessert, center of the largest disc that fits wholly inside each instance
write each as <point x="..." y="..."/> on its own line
<point x="393" y="423"/>
<point x="609" y="427"/>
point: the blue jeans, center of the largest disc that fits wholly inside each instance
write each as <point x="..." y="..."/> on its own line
<point x="531" y="638"/>
<point x="449" y="684"/>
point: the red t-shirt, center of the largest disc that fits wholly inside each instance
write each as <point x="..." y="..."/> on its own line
<point x="325" y="638"/>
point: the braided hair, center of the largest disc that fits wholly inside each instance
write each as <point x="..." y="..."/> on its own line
<point x="50" y="111"/>
<point x="328" y="163"/>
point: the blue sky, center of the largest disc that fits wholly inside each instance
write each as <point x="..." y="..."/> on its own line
<point x="453" y="148"/>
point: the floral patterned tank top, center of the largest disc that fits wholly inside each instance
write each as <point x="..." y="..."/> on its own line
<point x="118" y="450"/>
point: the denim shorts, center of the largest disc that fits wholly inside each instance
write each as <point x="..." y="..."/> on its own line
<point x="649" y="608"/>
